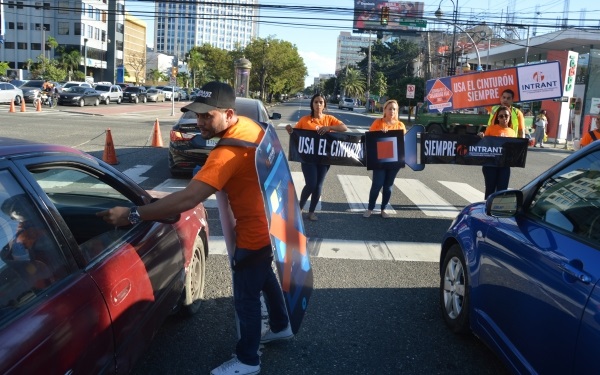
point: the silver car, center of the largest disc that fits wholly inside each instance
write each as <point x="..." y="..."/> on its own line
<point x="110" y="93"/>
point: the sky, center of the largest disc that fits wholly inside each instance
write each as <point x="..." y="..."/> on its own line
<point x="315" y="26"/>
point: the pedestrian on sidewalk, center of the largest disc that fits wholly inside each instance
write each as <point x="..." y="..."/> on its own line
<point x="541" y="122"/>
<point x="314" y="174"/>
<point x="383" y="179"/>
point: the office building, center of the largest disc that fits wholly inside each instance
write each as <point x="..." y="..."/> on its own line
<point x="181" y="25"/>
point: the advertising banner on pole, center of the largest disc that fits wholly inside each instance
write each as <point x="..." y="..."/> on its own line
<point x="479" y="89"/>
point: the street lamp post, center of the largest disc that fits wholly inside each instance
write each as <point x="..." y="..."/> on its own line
<point x="440" y="14"/>
<point x="85" y="58"/>
<point x="369" y="75"/>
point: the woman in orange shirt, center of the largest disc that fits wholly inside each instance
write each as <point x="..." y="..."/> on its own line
<point x="314" y="174"/>
<point x="384" y="178"/>
<point x="496" y="178"/>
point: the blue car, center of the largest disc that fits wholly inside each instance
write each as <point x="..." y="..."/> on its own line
<point x="521" y="270"/>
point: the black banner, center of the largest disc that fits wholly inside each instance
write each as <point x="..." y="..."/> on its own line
<point x="473" y="150"/>
<point x="333" y="148"/>
<point x="384" y="150"/>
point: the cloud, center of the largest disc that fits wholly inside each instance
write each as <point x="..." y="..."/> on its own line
<point x="316" y="64"/>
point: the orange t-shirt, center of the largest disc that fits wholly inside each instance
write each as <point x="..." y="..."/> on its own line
<point x="500" y="131"/>
<point x="587" y="138"/>
<point x="309" y="123"/>
<point x="380" y="124"/>
<point x="232" y="169"/>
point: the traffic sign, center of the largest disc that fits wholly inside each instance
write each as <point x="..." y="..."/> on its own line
<point x="410" y="91"/>
<point x="412" y="22"/>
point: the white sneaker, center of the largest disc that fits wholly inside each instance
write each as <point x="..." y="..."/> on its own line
<point x="235" y="367"/>
<point x="269" y="336"/>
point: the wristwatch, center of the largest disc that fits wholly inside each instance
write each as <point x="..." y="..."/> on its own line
<point x="134" y="215"/>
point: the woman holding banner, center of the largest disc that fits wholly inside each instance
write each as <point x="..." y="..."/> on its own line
<point x="496" y="178"/>
<point x="384" y="178"/>
<point x="314" y="174"/>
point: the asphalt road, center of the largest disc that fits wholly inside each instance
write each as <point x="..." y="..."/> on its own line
<point x="365" y="316"/>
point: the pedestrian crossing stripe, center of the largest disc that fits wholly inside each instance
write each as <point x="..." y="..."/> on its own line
<point x="356" y="191"/>
<point x="358" y="250"/>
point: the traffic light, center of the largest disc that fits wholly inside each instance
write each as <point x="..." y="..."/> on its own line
<point x="174" y="71"/>
<point x="385" y="15"/>
<point x="572" y="102"/>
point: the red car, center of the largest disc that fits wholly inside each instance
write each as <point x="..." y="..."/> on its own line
<point x="76" y="295"/>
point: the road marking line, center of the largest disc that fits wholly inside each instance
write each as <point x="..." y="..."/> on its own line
<point x="172" y="185"/>
<point x="136" y="173"/>
<point x="299" y="183"/>
<point x="466" y="191"/>
<point x="426" y="199"/>
<point x="357" y="189"/>
<point x="358" y="250"/>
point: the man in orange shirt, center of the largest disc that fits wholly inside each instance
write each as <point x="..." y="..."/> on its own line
<point x="230" y="169"/>
<point x="592" y="135"/>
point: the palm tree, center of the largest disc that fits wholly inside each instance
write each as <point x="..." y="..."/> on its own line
<point x="354" y="83"/>
<point x="70" y="61"/>
<point x="195" y="63"/>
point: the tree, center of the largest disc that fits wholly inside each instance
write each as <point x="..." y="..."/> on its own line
<point x="379" y="84"/>
<point x="155" y="76"/>
<point x="136" y="61"/>
<point x="51" y="42"/>
<point x="3" y="68"/>
<point x="277" y="67"/>
<point x="69" y="61"/>
<point x="353" y="83"/>
<point x="196" y="63"/>
<point x="218" y="64"/>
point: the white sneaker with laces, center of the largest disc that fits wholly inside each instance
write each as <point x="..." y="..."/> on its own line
<point x="235" y="367"/>
<point x="269" y="336"/>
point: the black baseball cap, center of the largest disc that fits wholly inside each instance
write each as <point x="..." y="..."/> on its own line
<point x="213" y="95"/>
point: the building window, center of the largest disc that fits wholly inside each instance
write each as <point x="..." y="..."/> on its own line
<point x="20" y="26"/>
<point x="63" y="28"/>
<point x="11" y="4"/>
<point x="36" y="46"/>
<point x="90" y="31"/>
<point x="11" y="25"/>
<point x="77" y="30"/>
<point x="21" y="45"/>
<point x="20" y="6"/>
<point x="9" y="45"/>
<point x="63" y="7"/>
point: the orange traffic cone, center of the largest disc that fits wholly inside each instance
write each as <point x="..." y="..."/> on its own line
<point x="38" y="108"/>
<point x="12" y="106"/>
<point x="156" y="137"/>
<point x="23" y="105"/>
<point x="109" y="156"/>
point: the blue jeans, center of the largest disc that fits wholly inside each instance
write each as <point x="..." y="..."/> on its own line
<point x="248" y="281"/>
<point x="495" y="178"/>
<point x="382" y="179"/>
<point x="314" y="175"/>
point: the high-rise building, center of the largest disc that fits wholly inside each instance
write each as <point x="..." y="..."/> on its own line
<point x="94" y="28"/>
<point x="181" y="25"/>
<point x="349" y="49"/>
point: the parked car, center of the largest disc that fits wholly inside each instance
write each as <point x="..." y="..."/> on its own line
<point x="79" y="95"/>
<point x="74" y="83"/>
<point x="346" y="103"/>
<point x="31" y="89"/>
<point x="187" y="148"/>
<point x="18" y="82"/>
<point x="155" y="95"/>
<point x="168" y="90"/>
<point x="110" y="93"/>
<point x="135" y="94"/>
<point x="81" y="296"/>
<point x="521" y="270"/>
<point x="183" y="95"/>
<point x="10" y="92"/>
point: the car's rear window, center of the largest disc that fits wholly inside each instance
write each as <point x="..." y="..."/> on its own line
<point x="102" y="88"/>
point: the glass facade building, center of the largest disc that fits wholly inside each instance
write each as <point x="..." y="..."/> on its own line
<point x="181" y="25"/>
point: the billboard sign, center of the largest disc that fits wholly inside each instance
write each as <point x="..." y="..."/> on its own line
<point x="479" y="89"/>
<point x="403" y="15"/>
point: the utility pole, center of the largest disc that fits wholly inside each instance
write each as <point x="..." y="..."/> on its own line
<point x="369" y="74"/>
